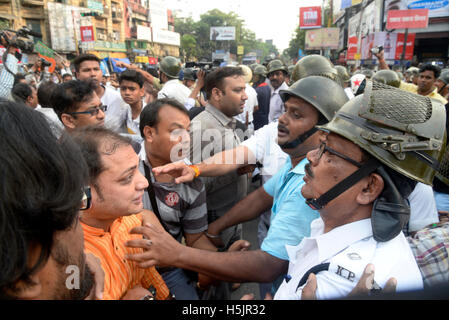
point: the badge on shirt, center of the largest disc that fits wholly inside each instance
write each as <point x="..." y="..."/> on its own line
<point x="171" y="199"/>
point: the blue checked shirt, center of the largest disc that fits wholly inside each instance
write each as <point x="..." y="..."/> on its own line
<point x="6" y="78"/>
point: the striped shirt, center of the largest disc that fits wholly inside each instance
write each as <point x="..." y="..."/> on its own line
<point x="6" y="78"/>
<point x="121" y="274"/>
<point x="182" y="207"/>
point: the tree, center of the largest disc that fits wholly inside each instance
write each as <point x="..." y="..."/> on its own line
<point x="188" y="46"/>
<point x="204" y="47"/>
<point x="296" y="43"/>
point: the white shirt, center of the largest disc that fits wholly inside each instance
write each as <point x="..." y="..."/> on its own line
<point x="423" y="208"/>
<point x="133" y="125"/>
<point x="116" y="112"/>
<point x="250" y="103"/>
<point x="348" y="249"/>
<point x="52" y="118"/>
<point x="174" y="89"/>
<point x="263" y="144"/>
<point x="276" y="104"/>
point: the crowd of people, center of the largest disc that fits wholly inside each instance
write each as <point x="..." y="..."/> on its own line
<point x="135" y="186"/>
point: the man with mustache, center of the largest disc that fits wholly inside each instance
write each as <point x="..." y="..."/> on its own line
<point x="305" y="106"/>
<point x="116" y="188"/>
<point x="359" y="180"/>
<point x="277" y="74"/>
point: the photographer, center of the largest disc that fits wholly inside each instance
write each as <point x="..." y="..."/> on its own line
<point x="10" y="65"/>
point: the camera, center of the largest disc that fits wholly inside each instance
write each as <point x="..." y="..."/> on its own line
<point x="45" y="63"/>
<point x="376" y="50"/>
<point x="207" y="67"/>
<point x="21" y="39"/>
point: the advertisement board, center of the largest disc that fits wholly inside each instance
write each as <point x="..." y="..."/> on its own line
<point x="323" y="38"/>
<point x="222" y="33"/>
<point x="143" y="33"/>
<point x="62" y="34"/>
<point x="309" y="17"/>
<point x="166" y="37"/>
<point x="403" y="19"/>
<point x="87" y="33"/>
<point x="409" y="47"/>
<point x="158" y="14"/>
<point x="437" y="8"/>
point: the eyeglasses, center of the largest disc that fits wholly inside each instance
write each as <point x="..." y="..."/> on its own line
<point x="87" y="198"/>
<point x="324" y="148"/>
<point x="92" y="112"/>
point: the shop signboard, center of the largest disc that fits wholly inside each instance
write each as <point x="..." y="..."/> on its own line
<point x="309" y="17"/>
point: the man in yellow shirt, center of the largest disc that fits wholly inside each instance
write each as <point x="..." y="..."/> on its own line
<point x="428" y="74"/>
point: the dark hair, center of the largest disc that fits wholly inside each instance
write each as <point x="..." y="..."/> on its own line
<point x="40" y="193"/>
<point x="90" y="139"/>
<point x="21" y="91"/>
<point x="18" y="77"/>
<point x="66" y="96"/>
<point x="67" y="75"/>
<point x="84" y="57"/>
<point x="133" y="76"/>
<point x="44" y="93"/>
<point x="215" y="78"/>
<point x="150" y="114"/>
<point x="430" y="67"/>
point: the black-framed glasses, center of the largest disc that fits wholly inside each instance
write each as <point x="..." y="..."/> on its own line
<point x="86" y="201"/>
<point x="324" y="148"/>
<point x="92" y="112"/>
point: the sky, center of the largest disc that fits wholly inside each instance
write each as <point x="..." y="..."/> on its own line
<point x="276" y="20"/>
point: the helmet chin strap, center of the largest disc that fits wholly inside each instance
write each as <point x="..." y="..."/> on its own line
<point x="293" y="144"/>
<point x="369" y="167"/>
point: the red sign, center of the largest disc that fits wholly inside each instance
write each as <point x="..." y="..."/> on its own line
<point x="309" y="17"/>
<point x="87" y="33"/>
<point x="152" y="60"/>
<point x="403" y="19"/>
<point x="352" y="48"/>
<point x="409" y="47"/>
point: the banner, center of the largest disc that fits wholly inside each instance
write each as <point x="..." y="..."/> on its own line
<point x="166" y="37"/>
<point x="309" y="17"/>
<point x="409" y="47"/>
<point x="352" y="48"/>
<point x="222" y="33"/>
<point x="143" y="33"/>
<point x="403" y="19"/>
<point x="158" y="14"/>
<point x="87" y="33"/>
<point x="324" y="38"/>
<point x="41" y="48"/>
<point x="437" y="8"/>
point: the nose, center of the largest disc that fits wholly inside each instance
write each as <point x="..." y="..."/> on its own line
<point x="100" y="114"/>
<point x="142" y="182"/>
<point x="245" y="96"/>
<point x="312" y="157"/>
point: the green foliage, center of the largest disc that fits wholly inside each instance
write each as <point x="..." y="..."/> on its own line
<point x="200" y="32"/>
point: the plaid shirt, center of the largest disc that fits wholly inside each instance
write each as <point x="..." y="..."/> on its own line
<point x="6" y="78"/>
<point x="430" y="247"/>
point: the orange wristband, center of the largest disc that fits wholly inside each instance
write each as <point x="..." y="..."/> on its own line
<point x="196" y="169"/>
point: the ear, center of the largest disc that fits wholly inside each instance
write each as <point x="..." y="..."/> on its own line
<point x="148" y="134"/>
<point x="142" y="92"/>
<point x="68" y="121"/>
<point x="371" y="189"/>
<point x="216" y="94"/>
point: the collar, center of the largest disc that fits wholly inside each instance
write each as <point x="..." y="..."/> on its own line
<point x="220" y="116"/>
<point x="300" y="167"/>
<point x="331" y="243"/>
<point x="171" y="81"/>
<point x="99" y="232"/>
<point x="283" y="86"/>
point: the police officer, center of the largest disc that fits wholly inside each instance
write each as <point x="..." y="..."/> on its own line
<point x="388" y="77"/>
<point x="189" y="78"/>
<point x="170" y="67"/>
<point x="316" y="65"/>
<point x="358" y="180"/>
<point x="344" y="75"/>
<point x="277" y="73"/>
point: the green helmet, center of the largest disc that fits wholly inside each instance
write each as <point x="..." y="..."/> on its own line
<point x="314" y="65"/>
<point x="189" y="74"/>
<point x="403" y="132"/>
<point x="311" y="88"/>
<point x="290" y="69"/>
<point x="368" y="73"/>
<point x="171" y="67"/>
<point x="388" y="77"/>
<point x="260" y="70"/>
<point x="401" y="129"/>
<point x="253" y="66"/>
<point x="276" y="65"/>
<point x="412" y="70"/>
<point x="444" y="76"/>
<point x="343" y="73"/>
